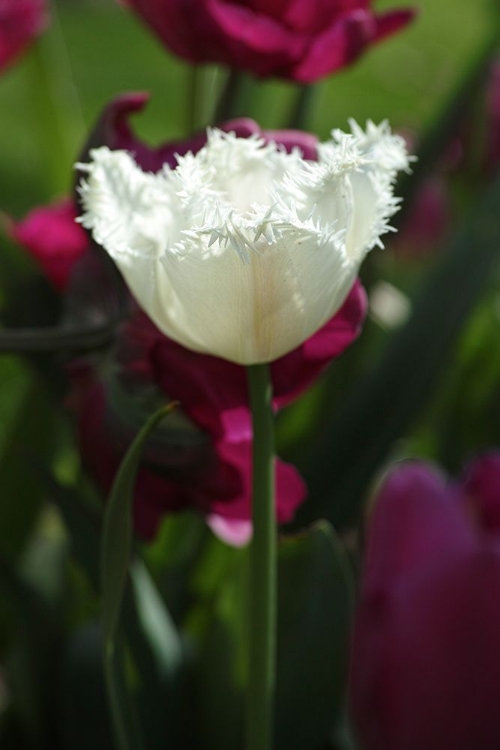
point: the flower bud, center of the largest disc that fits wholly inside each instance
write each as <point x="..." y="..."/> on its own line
<point x="425" y="656"/>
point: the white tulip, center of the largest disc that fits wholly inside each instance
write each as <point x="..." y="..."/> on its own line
<point x="244" y="251"/>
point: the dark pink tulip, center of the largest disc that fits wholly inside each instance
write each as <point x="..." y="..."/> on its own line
<point x="303" y="40"/>
<point x="426" y="651"/>
<point x="214" y="475"/>
<point x="204" y="460"/>
<point x="20" y="22"/>
<point x="53" y="238"/>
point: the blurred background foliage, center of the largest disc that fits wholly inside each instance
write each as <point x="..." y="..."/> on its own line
<point x="423" y="380"/>
<point x="95" y="50"/>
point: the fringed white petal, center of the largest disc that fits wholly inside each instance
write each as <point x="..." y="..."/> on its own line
<point x="244" y="251"/>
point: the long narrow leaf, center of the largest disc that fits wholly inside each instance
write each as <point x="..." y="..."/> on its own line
<point x="117" y="529"/>
<point x="115" y="560"/>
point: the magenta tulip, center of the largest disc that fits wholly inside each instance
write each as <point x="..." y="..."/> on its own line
<point x="20" y="22"/>
<point x="426" y="657"/>
<point x="303" y="40"/>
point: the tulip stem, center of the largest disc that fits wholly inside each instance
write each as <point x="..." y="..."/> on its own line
<point x="57" y="110"/>
<point x="192" y="98"/>
<point x="300" y="111"/>
<point x="262" y="637"/>
<point x="235" y="97"/>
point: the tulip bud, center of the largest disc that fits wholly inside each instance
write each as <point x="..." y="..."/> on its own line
<point x="425" y="657"/>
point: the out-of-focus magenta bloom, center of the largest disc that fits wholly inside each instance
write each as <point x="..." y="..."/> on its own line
<point x="303" y="40"/>
<point x="213" y="476"/>
<point x="20" y="22"/>
<point x="426" y="657"/>
<point x="203" y="459"/>
<point x="53" y="238"/>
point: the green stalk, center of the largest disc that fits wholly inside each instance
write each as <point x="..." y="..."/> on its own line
<point x="235" y="98"/>
<point x="56" y="106"/>
<point x="262" y="638"/>
<point x="193" y="74"/>
<point x="300" y="111"/>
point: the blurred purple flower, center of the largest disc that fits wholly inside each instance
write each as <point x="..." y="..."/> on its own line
<point x="425" y="656"/>
<point x="204" y="460"/>
<point x="303" y="40"/>
<point x="20" y="22"/>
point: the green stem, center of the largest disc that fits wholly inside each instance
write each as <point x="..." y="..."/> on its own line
<point x="300" y="110"/>
<point x="124" y="722"/>
<point x="235" y="97"/>
<point x="57" y="109"/>
<point x="192" y="98"/>
<point x="262" y="639"/>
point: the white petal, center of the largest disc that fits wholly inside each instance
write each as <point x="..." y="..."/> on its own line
<point x="132" y="216"/>
<point x="255" y="311"/>
<point x="379" y="155"/>
<point x="244" y="251"/>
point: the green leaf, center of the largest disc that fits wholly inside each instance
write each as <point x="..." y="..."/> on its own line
<point x="81" y="700"/>
<point x="160" y="661"/>
<point x="27" y="429"/>
<point x="82" y="525"/>
<point x="33" y="650"/>
<point x="386" y="403"/>
<point x="456" y="111"/>
<point x="117" y="529"/>
<point x="156" y="622"/>
<point x="222" y="661"/>
<point x="315" y="601"/>
<point x="115" y="560"/>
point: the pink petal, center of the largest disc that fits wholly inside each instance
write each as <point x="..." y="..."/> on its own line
<point x="253" y="41"/>
<point x="53" y="238"/>
<point x="392" y="21"/>
<point x="416" y="520"/>
<point x="21" y="21"/>
<point x="296" y="371"/>
<point x="336" y="46"/>
<point x="481" y="482"/>
<point x="234" y="532"/>
<point x="425" y="657"/>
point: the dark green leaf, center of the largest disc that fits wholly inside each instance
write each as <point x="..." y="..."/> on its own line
<point x="115" y="560"/>
<point x="379" y="411"/>
<point x="117" y="530"/>
<point x="28" y="425"/>
<point x="315" y="600"/>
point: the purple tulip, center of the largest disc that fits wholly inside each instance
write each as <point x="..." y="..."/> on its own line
<point x="425" y="669"/>
<point x="303" y="40"/>
<point x="20" y="22"/>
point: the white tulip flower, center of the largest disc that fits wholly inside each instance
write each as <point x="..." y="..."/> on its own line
<point x="243" y="251"/>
